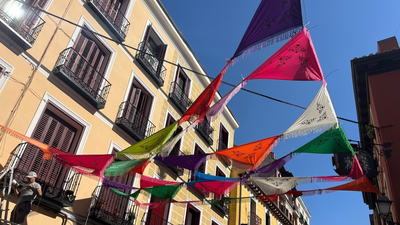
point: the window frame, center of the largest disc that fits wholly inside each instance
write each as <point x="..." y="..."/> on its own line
<point x="221" y="128"/>
<point x="8" y="69"/>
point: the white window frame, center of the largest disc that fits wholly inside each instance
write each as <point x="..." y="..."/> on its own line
<point x="7" y="73"/>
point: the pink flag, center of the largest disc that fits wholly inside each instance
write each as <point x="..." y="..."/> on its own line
<point x="214" y="111"/>
<point x="296" y="60"/>
<point x="146" y="182"/>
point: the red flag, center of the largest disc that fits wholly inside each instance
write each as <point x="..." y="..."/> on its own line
<point x="296" y="60"/>
<point x="197" y="111"/>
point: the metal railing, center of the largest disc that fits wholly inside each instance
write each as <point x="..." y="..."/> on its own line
<point x="254" y="219"/>
<point x="116" y="18"/>
<point x="82" y="73"/>
<point x="179" y="97"/>
<point x="206" y="131"/>
<point x="151" y="63"/>
<point x="154" y="219"/>
<point x="63" y="192"/>
<point x="136" y="121"/>
<point x="112" y="208"/>
<point x="23" y="20"/>
<point x="223" y="206"/>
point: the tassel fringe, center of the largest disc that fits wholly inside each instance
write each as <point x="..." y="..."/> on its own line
<point x="308" y="131"/>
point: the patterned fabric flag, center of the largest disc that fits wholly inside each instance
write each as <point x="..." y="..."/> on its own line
<point x="197" y="111"/>
<point x="139" y="168"/>
<point x="133" y="195"/>
<point x="296" y="60"/>
<point x="121" y="167"/>
<point x="331" y="141"/>
<point x="249" y="156"/>
<point x="146" y="182"/>
<point x="86" y="164"/>
<point x="201" y="177"/>
<point x="280" y="185"/>
<point x="214" y="111"/>
<point x="153" y="205"/>
<point x="164" y="192"/>
<point x="113" y="184"/>
<point x="45" y="148"/>
<point x="361" y="184"/>
<point x="319" y="116"/>
<point x="356" y="170"/>
<point x="217" y="187"/>
<point x="152" y="144"/>
<point x="271" y="168"/>
<point x="190" y="162"/>
<point x="273" y="21"/>
<point x="167" y="148"/>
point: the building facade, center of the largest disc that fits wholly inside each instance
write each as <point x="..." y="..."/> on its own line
<point x="84" y="93"/>
<point x="256" y="210"/>
<point x="375" y="80"/>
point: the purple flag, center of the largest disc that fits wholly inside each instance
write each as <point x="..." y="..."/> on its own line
<point x="274" y="20"/>
<point x="190" y="162"/>
<point x="270" y="169"/>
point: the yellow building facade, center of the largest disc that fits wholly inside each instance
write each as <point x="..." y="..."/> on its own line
<point x="67" y="86"/>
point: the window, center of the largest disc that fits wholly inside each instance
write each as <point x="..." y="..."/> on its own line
<point x="57" y="130"/>
<point x="182" y="81"/>
<point x="110" y="205"/>
<point x="202" y="167"/>
<point x="112" y="12"/>
<point x="175" y="151"/>
<point x="157" y="215"/>
<point x="2" y="71"/>
<point x="192" y="216"/>
<point x="214" y="223"/>
<point x="180" y="90"/>
<point x="267" y="219"/>
<point x="223" y="137"/>
<point x="151" y="55"/>
<point x="133" y="115"/>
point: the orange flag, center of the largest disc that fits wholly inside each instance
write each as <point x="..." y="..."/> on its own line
<point x="361" y="184"/>
<point x="45" y="148"/>
<point x="249" y="156"/>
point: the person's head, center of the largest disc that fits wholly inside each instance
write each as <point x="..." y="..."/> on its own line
<point x="31" y="177"/>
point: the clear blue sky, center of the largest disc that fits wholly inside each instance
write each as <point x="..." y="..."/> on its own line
<point x="340" y="30"/>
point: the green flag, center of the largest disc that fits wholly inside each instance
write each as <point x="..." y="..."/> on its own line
<point x="133" y="195"/>
<point x="121" y="167"/>
<point x="165" y="192"/>
<point x="331" y="141"/>
<point x="153" y="143"/>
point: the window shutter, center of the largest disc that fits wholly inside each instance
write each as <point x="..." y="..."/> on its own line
<point x="148" y="33"/>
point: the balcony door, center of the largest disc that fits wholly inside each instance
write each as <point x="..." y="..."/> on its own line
<point x="177" y="147"/>
<point x="182" y="85"/>
<point x="223" y="138"/>
<point x="157" y="215"/>
<point x="154" y="46"/>
<point x="111" y="8"/>
<point x="115" y="205"/>
<point x="87" y="61"/>
<point x="59" y="131"/>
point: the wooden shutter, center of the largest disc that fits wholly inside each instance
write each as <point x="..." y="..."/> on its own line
<point x="54" y="131"/>
<point x="116" y="204"/>
<point x="132" y="104"/>
<point x="158" y="215"/>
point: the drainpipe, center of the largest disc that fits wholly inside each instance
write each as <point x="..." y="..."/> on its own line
<point x="65" y="219"/>
<point x="14" y="111"/>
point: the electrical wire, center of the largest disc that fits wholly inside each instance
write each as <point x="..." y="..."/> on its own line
<point x="174" y="64"/>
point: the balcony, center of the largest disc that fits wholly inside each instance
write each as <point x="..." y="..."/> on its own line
<point x="114" y="19"/>
<point x="111" y="208"/>
<point x="205" y="130"/>
<point x="151" y="64"/>
<point x="58" y="193"/>
<point x="154" y="219"/>
<point x="254" y="219"/>
<point x="222" y="207"/>
<point x="80" y="75"/>
<point x="134" y="122"/>
<point x="179" y="97"/>
<point x="21" y="24"/>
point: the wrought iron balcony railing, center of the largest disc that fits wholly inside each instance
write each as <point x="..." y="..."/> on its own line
<point x="62" y="192"/>
<point x="254" y="219"/>
<point x="223" y="207"/>
<point x="151" y="64"/>
<point x="179" y="97"/>
<point x="23" y="20"/>
<point x="154" y="219"/>
<point x="114" y="19"/>
<point x="134" y="122"/>
<point x="205" y="130"/>
<point x="79" y="74"/>
<point x="109" y="207"/>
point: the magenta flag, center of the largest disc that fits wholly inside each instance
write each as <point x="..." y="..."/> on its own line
<point x="273" y="21"/>
<point x="296" y="60"/>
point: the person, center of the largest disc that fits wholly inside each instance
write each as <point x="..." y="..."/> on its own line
<point x="26" y="195"/>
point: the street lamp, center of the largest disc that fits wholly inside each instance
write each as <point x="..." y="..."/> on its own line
<point x="383" y="205"/>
